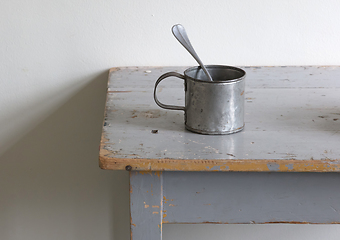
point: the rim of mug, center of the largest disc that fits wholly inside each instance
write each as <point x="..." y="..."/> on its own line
<point x="218" y="81"/>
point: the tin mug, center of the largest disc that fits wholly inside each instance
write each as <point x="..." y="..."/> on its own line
<point x="211" y="107"/>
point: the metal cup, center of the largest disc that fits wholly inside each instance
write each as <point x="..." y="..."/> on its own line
<point x="211" y="107"/>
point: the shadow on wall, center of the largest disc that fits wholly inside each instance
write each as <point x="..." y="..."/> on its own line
<point x="52" y="186"/>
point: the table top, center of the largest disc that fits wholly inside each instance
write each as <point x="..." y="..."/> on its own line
<point x="292" y="123"/>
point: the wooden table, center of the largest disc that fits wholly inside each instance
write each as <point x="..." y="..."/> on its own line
<point x="282" y="168"/>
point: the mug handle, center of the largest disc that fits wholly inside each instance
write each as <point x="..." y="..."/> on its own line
<point x="165" y="106"/>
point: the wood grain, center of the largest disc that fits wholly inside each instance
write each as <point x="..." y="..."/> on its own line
<point x="292" y="124"/>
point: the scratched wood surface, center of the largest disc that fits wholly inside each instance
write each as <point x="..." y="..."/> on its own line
<point x="292" y="123"/>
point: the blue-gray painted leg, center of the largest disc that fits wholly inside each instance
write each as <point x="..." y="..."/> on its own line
<point x="146" y="205"/>
<point x="230" y="197"/>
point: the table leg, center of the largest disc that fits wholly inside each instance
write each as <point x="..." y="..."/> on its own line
<point x="146" y="205"/>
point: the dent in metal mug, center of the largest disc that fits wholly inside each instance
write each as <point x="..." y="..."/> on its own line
<point x="211" y="107"/>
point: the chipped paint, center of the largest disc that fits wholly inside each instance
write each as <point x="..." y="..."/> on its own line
<point x="290" y="166"/>
<point x="145" y="172"/>
<point x="131" y="225"/>
<point x="171" y="205"/>
<point x="114" y="160"/>
<point x="158" y="174"/>
<point x="273" y="167"/>
<point x="240" y="165"/>
<point x="215" y="168"/>
<point x="144" y="206"/>
<point x="224" y="168"/>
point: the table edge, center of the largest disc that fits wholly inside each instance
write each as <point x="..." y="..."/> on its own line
<point x="109" y="162"/>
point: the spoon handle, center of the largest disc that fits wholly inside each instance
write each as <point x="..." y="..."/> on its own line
<point x="181" y="35"/>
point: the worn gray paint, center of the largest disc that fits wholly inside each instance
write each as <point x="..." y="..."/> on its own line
<point x="290" y="113"/>
<point x="229" y="197"/>
<point x="146" y="206"/>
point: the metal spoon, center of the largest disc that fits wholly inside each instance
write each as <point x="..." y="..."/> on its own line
<point x="180" y="34"/>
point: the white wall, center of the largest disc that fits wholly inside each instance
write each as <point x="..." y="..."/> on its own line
<point x="54" y="57"/>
